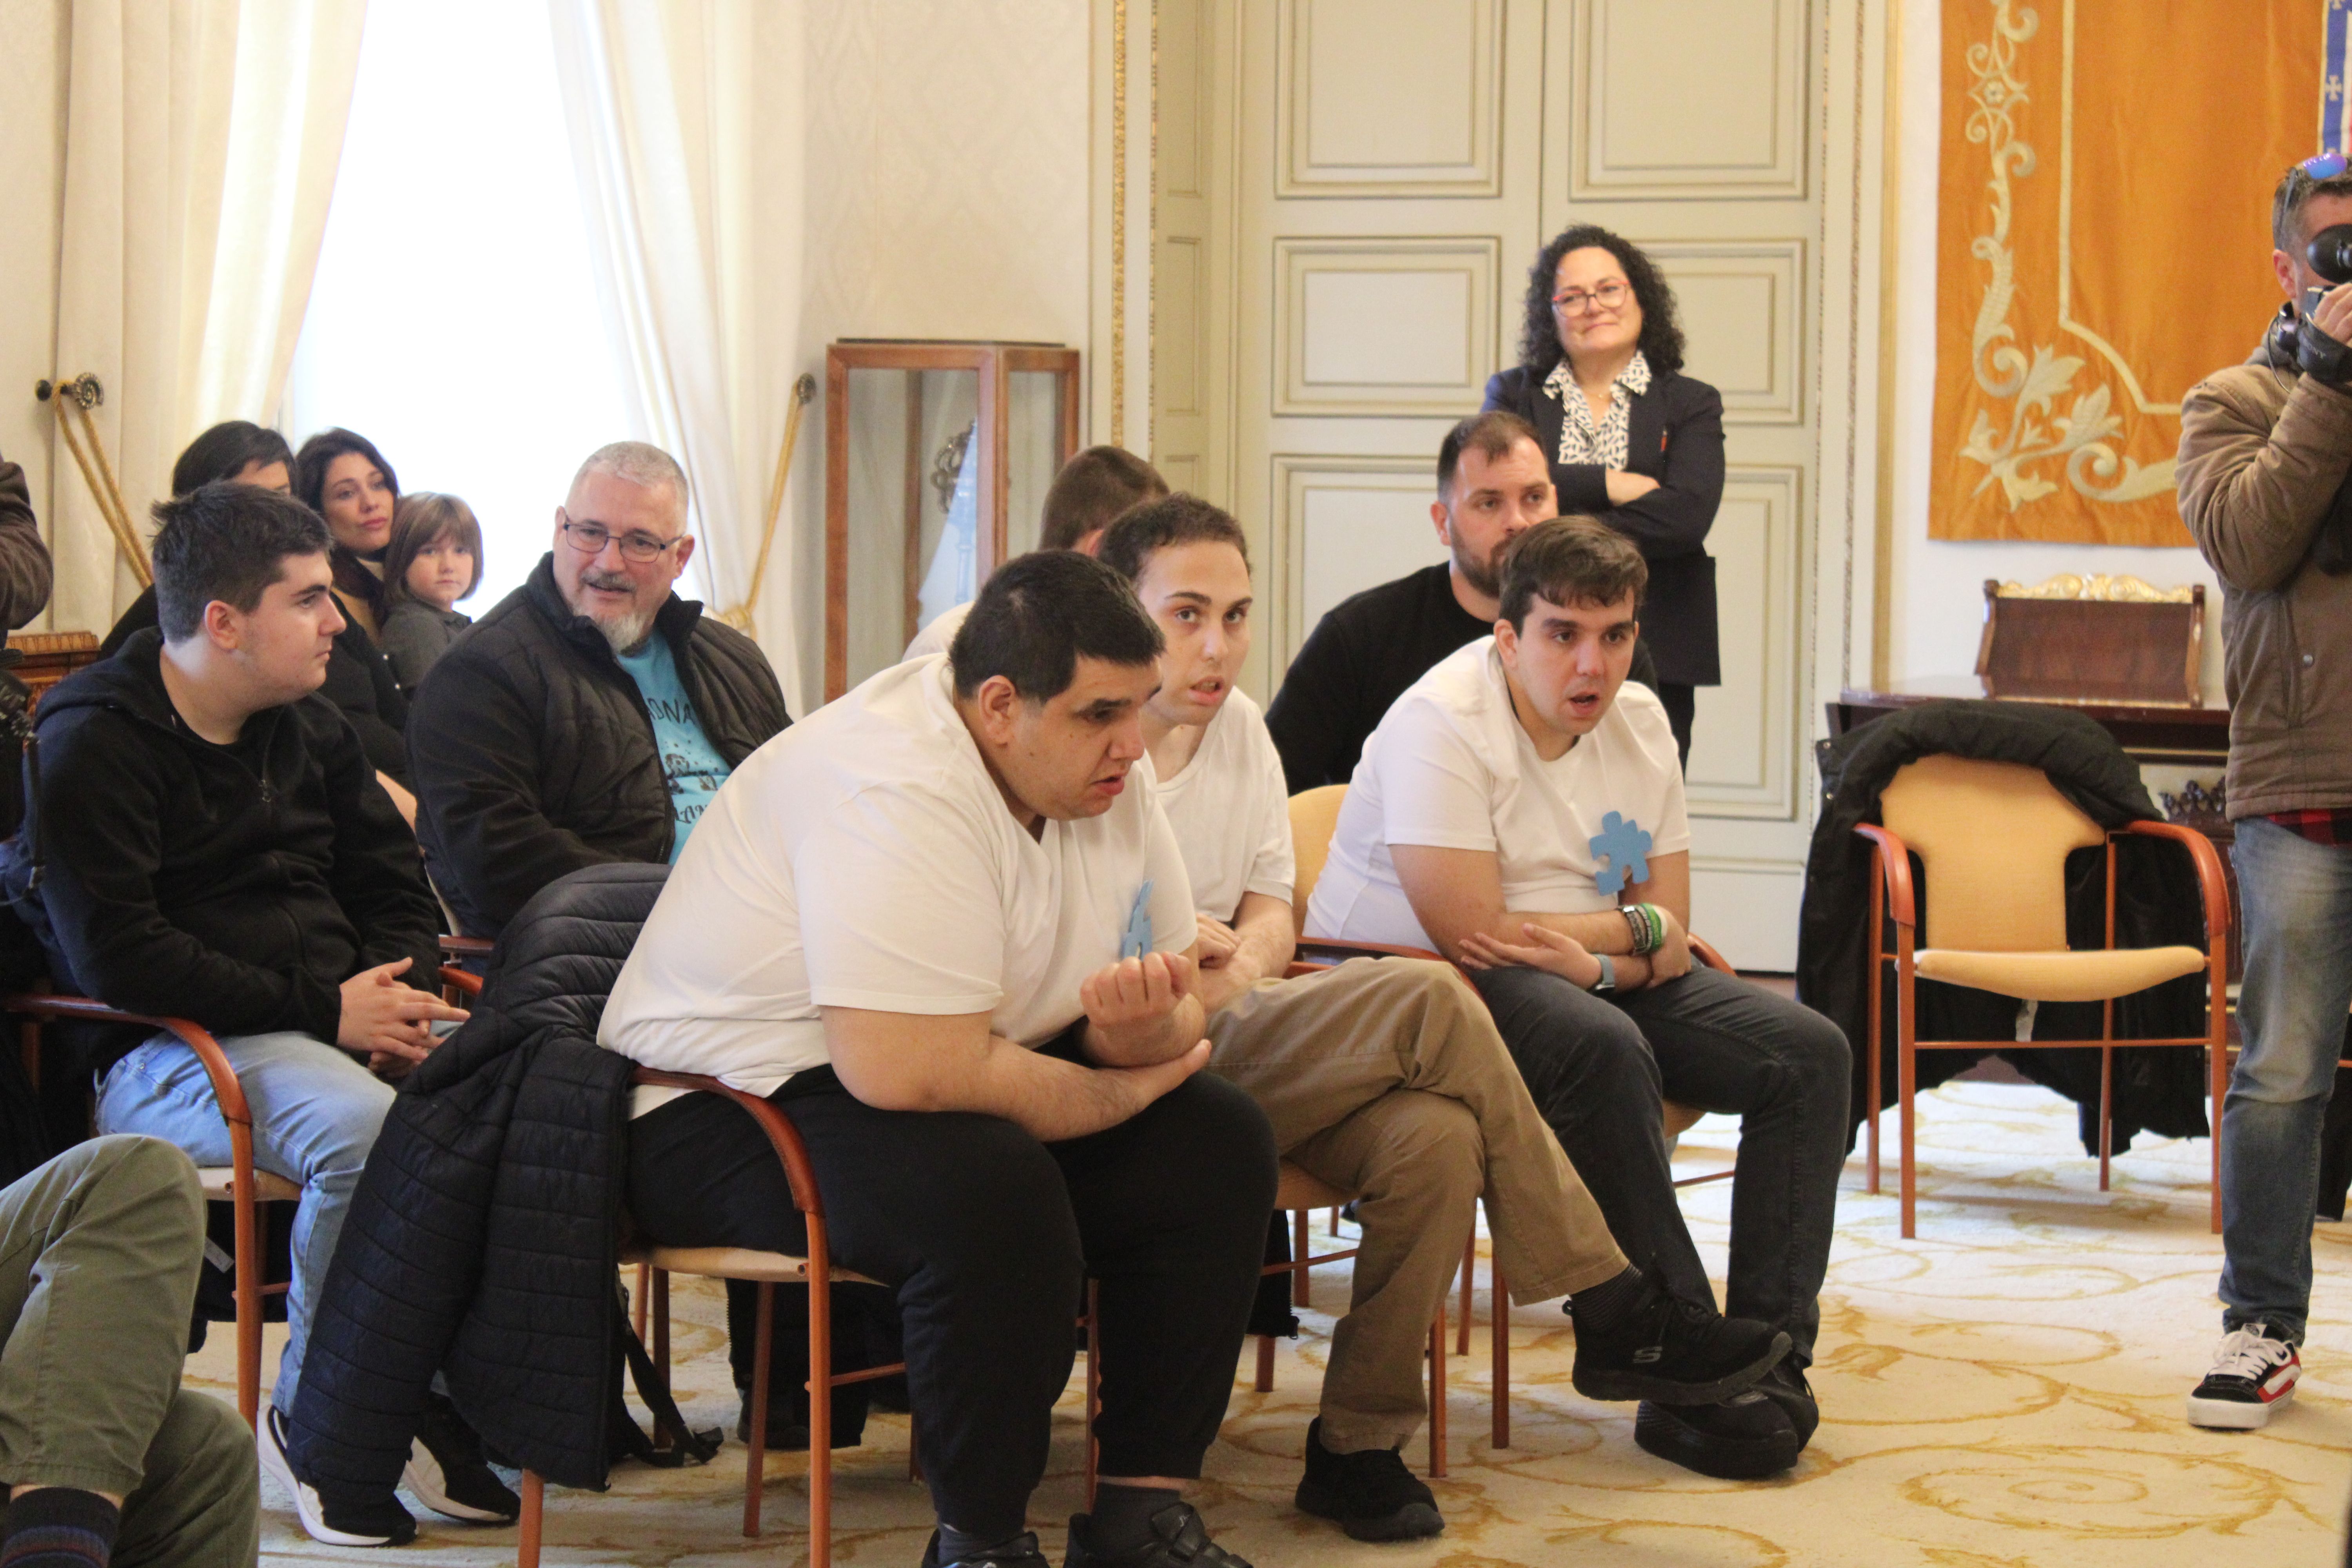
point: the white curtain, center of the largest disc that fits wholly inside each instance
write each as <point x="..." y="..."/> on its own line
<point x="201" y="145"/>
<point x="685" y="125"/>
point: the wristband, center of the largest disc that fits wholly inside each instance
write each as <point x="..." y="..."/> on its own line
<point x="1657" y="927"/>
<point x="1648" y="924"/>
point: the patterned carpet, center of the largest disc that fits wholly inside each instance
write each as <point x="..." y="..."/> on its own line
<point x="2004" y="1392"/>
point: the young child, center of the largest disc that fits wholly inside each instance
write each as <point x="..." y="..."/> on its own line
<point x="435" y="559"/>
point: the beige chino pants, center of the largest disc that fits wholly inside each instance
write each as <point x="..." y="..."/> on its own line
<point x="1386" y="1077"/>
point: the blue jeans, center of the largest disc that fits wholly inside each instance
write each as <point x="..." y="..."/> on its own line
<point x="2297" y="898"/>
<point x="316" y="1111"/>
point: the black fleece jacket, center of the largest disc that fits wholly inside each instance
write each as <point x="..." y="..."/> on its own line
<point x="534" y="752"/>
<point x="237" y="886"/>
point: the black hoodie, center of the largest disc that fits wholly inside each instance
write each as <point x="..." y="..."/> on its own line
<point x="235" y="886"/>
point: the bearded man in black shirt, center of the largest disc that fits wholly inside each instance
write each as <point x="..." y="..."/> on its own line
<point x="1492" y="484"/>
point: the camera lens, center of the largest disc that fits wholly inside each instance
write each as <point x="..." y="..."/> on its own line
<point x="2331" y="253"/>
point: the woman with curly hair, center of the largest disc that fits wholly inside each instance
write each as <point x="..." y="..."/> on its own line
<point x="1632" y="440"/>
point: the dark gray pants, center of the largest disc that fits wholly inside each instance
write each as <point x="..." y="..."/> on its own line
<point x="1598" y="1069"/>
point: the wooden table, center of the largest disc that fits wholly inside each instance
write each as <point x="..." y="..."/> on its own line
<point x="2150" y="732"/>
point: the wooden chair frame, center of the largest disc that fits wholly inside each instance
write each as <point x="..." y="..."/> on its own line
<point x="1893" y="902"/>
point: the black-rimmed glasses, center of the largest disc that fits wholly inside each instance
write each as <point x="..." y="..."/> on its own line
<point x="589" y="539"/>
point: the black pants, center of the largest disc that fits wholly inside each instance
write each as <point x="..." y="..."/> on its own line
<point x="1681" y="703"/>
<point x="1598" y="1070"/>
<point x="987" y="1236"/>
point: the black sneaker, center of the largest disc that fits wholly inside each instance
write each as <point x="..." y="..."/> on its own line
<point x="1021" y="1551"/>
<point x="447" y="1474"/>
<point x="1178" y="1540"/>
<point x="1372" y="1495"/>
<point x="2255" y="1372"/>
<point x="1743" y="1438"/>
<point x="1785" y="1386"/>
<point x="1674" y="1353"/>
<point x="785" y="1435"/>
<point x="339" y="1519"/>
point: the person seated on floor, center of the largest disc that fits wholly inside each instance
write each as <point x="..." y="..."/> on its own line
<point x="1520" y="809"/>
<point x="1090" y="491"/>
<point x="1492" y="484"/>
<point x="359" y="681"/>
<point x="945" y="927"/>
<point x="1382" y="1077"/>
<point x="103" y="1454"/>
<point x="434" y="561"/>
<point x="205" y="839"/>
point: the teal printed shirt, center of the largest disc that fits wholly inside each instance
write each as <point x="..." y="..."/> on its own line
<point x="691" y="763"/>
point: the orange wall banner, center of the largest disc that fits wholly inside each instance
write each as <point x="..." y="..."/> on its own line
<point x="2102" y="222"/>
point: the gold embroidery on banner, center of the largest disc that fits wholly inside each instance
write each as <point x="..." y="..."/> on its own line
<point x="2036" y="432"/>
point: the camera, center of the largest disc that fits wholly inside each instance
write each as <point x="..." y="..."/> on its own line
<point x="2292" y="336"/>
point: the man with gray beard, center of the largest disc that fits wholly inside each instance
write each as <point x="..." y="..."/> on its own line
<point x="592" y="714"/>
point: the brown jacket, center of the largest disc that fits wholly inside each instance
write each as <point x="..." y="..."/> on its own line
<point x="2261" y="454"/>
<point x="24" y="559"/>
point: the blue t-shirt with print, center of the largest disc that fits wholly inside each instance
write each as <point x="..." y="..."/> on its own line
<point x="691" y="763"/>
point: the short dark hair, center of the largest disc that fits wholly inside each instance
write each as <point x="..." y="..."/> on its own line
<point x="423" y="518"/>
<point x="1493" y="433"/>
<point x="227" y="450"/>
<point x="1091" y="490"/>
<point x="226" y="542"/>
<point x="1661" y="336"/>
<point x="2296" y="189"/>
<point x="1570" y="560"/>
<point x="318" y="454"/>
<point x="1039" y="614"/>
<point x="1157" y="524"/>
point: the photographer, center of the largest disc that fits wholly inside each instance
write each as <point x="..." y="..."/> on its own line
<point x="2266" y="447"/>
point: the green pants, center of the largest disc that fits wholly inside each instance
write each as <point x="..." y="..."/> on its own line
<point x="99" y="1254"/>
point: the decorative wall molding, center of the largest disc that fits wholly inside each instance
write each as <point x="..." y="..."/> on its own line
<point x="1702" y="125"/>
<point x="1384" y="326"/>
<point x="1180" y="307"/>
<point x="1742" y="304"/>
<point x="1400" y="486"/>
<point x="1744" y="753"/>
<point x="1365" y="111"/>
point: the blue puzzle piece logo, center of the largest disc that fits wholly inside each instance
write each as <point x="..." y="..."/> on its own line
<point x="1136" y="941"/>
<point x="1622" y="843"/>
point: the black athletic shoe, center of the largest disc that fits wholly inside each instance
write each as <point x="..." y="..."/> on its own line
<point x="1021" y="1551"/>
<point x="1372" y="1495"/>
<point x="447" y="1471"/>
<point x="1785" y="1386"/>
<point x="1744" y="1438"/>
<point x="339" y="1519"/>
<point x="2255" y="1372"/>
<point x="1674" y="1353"/>
<point x="1178" y="1540"/>
<point x="785" y="1435"/>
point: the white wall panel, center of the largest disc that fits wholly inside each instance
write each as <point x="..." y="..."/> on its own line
<point x="1689" y="98"/>
<point x="1742" y="309"/>
<point x="1347" y="524"/>
<point x="1382" y="326"/>
<point x="1390" y="97"/>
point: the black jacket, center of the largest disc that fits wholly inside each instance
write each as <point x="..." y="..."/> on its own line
<point x="1674" y="436"/>
<point x="2161" y="1090"/>
<point x="484" y="1236"/>
<point x="239" y="885"/>
<point x="534" y="752"/>
<point x="359" y="681"/>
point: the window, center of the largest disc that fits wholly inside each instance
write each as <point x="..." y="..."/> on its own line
<point x="454" y="320"/>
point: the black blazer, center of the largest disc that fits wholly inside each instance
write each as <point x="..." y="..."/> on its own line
<point x="1674" y="436"/>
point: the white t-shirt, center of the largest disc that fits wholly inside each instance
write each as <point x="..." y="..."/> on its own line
<point x="865" y="858"/>
<point x="1451" y="768"/>
<point x="1231" y="811"/>
<point x="937" y="637"/>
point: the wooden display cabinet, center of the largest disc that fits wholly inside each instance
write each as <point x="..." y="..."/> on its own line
<point x="937" y="455"/>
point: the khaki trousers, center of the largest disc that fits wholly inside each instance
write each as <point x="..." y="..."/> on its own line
<point x="1386" y="1077"/>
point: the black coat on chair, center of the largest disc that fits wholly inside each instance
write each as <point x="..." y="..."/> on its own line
<point x="1674" y="436"/>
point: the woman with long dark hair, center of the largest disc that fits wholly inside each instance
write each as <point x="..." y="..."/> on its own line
<point x="340" y="475"/>
<point x="1632" y="440"/>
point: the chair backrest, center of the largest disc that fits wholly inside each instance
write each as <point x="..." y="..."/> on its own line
<point x="1314" y="814"/>
<point x="1993" y="838"/>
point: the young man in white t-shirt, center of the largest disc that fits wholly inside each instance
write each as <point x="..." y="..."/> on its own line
<point x="1521" y="810"/>
<point x="1383" y="1077"/>
<point x="946" y="930"/>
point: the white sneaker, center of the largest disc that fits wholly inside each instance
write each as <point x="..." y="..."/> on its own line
<point x="2255" y="1372"/>
<point x="388" y="1524"/>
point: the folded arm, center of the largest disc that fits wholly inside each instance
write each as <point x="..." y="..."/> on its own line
<point x="1457" y="895"/>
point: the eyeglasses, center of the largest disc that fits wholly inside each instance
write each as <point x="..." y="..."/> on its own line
<point x="2326" y="166"/>
<point x="589" y="539"/>
<point x="1576" y="301"/>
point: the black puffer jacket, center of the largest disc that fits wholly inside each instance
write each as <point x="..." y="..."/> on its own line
<point x="482" y="1240"/>
<point x="2160" y="1089"/>
<point x="534" y="752"/>
<point x="237" y="886"/>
